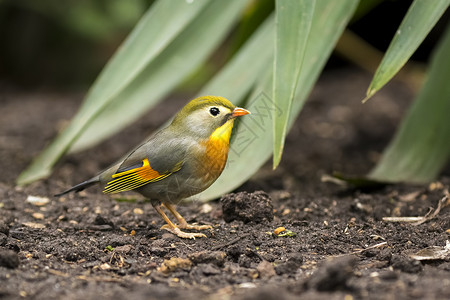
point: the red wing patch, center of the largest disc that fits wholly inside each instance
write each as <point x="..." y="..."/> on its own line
<point x="135" y="178"/>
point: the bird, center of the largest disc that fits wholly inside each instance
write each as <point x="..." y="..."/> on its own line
<point x="179" y="161"/>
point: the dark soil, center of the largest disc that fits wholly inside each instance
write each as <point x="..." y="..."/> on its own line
<point x="87" y="245"/>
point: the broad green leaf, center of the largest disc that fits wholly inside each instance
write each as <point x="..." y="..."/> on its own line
<point x="421" y="146"/>
<point x="236" y="79"/>
<point x="179" y="59"/>
<point x="252" y="145"/>
<point x="149" y="38"/>
<point x="420" y="19"/>
<point x="293" y="23"/>
<point x="89" y="19"/>
<point x="125" y="75"/>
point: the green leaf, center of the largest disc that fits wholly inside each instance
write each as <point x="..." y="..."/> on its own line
<point x="178" y="60"/>
<point x="421" y="146"/>
<point x="148" y="39"/>
<point x="240" y="74"/>
<point x="420" y="19"/>
<point x="293" y="23"/>
<point x="359" y="182"/>
<point x="148" y="57"/>
<point x="252" y="145"/>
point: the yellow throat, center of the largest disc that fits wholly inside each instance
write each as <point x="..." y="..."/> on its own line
<point x="223" y="133"/>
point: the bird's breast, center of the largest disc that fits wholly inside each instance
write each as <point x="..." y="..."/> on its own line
<point x="215" y="153"/>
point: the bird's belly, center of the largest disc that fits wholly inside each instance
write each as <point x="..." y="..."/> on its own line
<point x="174" y="188"/>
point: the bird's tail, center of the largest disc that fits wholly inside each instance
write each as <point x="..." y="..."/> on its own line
<point x="80" y="186"/>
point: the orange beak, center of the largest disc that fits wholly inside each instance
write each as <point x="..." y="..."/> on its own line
<point x="237" y="112"/>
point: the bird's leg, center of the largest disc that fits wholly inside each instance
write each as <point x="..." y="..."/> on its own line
<point x="182" y="222"/>
<point x="173" y="228"/>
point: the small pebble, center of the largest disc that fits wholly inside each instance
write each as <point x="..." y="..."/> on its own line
<point x="209" y="269"/>
<point x="38" y="201"/>
<point x="9" y="259"/>
<point x="265" y="269"/>
<point x="175" y="264"/>
<point x="406" y="264"/>
<point x="4" y="228"/>
<point x="290" y="266"/>
<point x="123" y="249"/>
<point x="34" y="225"/>
<point x="138" y="211"/>
<point x="3" y="239"/>
<point x="247" y="207"/>
<point x="333" y="274"/>
<point x="105" y="266"/>
<point x="206" y="208"/>
<point x="205" y="257"/>
<point x="38" y="216"/>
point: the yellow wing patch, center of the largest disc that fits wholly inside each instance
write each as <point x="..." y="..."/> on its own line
<point x="135" y="178"/>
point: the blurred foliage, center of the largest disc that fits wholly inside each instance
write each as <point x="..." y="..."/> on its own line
<point x="64" y="42"/>
<point x="98" y="19"/>
<point x="421" y="17"/>
<point x="421" y="146"/>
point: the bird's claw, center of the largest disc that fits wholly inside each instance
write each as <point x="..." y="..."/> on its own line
<point x="195" y="227"/>
<point x="189" y="226"/>
<point x="185" y="235"/>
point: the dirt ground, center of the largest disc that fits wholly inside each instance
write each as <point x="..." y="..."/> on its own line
<point x="339" y="247"/>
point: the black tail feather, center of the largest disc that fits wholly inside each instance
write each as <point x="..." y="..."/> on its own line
<point x="79" y="187"/>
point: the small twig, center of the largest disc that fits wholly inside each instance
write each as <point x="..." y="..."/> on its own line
<point x="337" y="181"/>
<point x="230" y="242"/>
<point x="368" y="248"/>
<point x="442" y="203"/>
<point x="402" y="219"/>
<point x="112" y="256"/>
<point x="362" y="250"/>
<point x="428" y="216"/>
<point x="57" y="273"/>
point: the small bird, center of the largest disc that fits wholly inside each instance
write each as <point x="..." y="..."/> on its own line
<point x="179" y="161"/>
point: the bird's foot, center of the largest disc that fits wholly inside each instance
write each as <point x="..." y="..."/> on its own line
<point x="185" y="235"/>
<point x="194" y="227"/>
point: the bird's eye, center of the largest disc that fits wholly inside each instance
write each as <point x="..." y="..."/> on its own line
<point x="214" y="111"/>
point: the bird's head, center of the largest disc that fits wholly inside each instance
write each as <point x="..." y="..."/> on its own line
<point x="205" y="116"/>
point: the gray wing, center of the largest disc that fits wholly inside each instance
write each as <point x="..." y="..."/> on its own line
<point x="164" y="151"/>
<point x="156" y="159"/>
